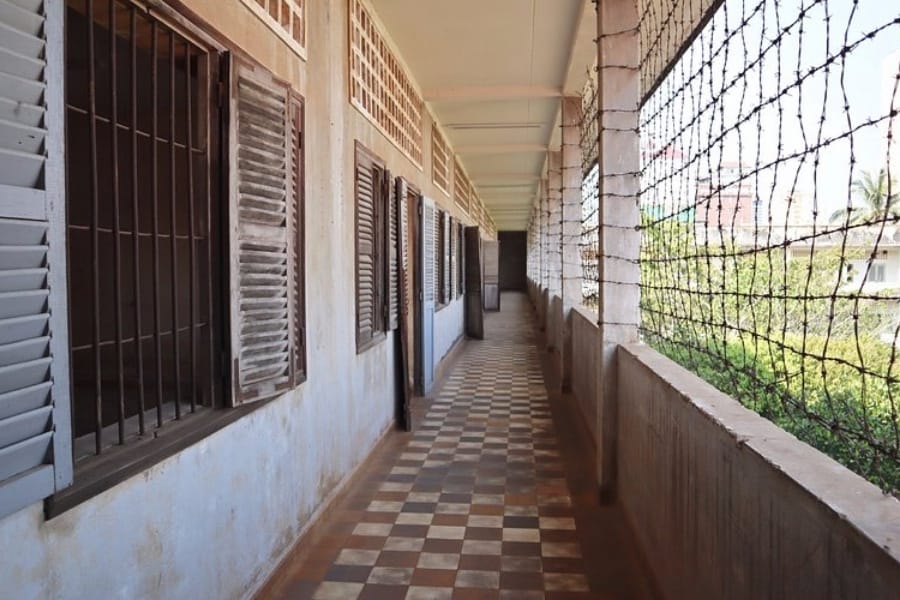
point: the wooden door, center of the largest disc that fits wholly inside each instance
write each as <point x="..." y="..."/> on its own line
<point x="474" y="307"/>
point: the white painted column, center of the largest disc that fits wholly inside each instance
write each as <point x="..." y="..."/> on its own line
<point x="618" y="57"/>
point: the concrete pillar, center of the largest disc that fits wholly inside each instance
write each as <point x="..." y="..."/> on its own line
<point x="618" y="57"/>
<point x="545" y="220"/>
<point x="571" y="225"/>
<point x="554" y="199"/>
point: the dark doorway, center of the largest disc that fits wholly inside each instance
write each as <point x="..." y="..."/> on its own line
<point x="513" y="252"/>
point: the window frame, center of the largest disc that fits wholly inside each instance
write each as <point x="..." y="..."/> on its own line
<point x="381" y="266"/>
<point x="117" y="463"/>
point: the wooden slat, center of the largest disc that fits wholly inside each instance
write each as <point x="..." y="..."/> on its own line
<point x="261" y="281"/>
<point x="365" y="248"/>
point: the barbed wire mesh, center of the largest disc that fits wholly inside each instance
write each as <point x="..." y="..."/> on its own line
<point x="770" y="216"/>
<point x="589" y="244"/>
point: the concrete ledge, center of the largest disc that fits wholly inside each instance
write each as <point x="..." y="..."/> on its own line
<point x="727" y="505"/>
<point x="585" y="359"/>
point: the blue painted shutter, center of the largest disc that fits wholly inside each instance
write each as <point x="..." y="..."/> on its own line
<point x="35" y="430"/>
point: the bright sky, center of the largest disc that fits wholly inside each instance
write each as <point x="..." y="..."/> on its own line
<point x="861" y="77"/>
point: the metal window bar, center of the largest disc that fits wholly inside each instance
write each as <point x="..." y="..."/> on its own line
<point x="116" y="122"/>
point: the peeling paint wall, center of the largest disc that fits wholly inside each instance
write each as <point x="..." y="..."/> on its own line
<point x="448" y="327"/>
<point x="213" y="520"/>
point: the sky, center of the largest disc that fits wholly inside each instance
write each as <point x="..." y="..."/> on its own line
<point x="802" y="117"/>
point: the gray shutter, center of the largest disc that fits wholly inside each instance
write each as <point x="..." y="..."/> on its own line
<point x="260" y="242"/>
<point x="366" y="245"/>
<point x="428" y="241"/>
<point x="298" y="256"/>
<point x="438" y="254"/>
<point x="35" y="430"/>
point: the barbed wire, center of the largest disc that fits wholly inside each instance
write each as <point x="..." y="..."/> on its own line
<point x="770" y="214"/>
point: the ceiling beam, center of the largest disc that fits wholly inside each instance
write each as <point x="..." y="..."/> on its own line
<point x="491" y="92"/>
<point x="501" y="149"/>
<point x="503" y="177"/>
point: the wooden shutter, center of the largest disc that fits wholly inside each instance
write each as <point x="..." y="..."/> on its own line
<point x="402" y="190"/>
<point x="453" y="259"/>
<point x="261" y="245"/>
<point x="35" y="422"/>
<point x="461" y="259"/>
<point x="393" y="215"/>
<point x="366" y="248"/>
<point x="298" y="236"/>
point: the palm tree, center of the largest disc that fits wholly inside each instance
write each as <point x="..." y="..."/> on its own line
<point x="876" y="204"/>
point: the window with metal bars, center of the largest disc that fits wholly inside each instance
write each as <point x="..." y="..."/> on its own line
<point x="143" y="234"/>
<point x="148" y="208"/>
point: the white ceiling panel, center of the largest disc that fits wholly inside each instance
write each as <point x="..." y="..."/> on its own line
<point x="492" y="72"/>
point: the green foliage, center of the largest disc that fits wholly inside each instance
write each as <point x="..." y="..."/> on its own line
<point x="788" y="336"/>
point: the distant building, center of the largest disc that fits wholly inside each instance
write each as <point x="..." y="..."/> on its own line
<point x="727" y="197"/>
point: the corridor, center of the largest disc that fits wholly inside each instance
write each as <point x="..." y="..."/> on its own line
<point x="491" y="496"/>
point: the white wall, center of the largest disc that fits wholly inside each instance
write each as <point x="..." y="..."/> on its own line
<point x="448" y="327"/>
<point x="213" y="520"/>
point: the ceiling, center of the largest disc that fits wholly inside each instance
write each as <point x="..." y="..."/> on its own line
<point x="492" y="73"/>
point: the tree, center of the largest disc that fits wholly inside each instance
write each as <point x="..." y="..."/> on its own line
<point x="877" y="205"/>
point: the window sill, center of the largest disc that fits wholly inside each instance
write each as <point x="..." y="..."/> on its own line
<point x="97" y="474"/>
<point x="376" y="339"/>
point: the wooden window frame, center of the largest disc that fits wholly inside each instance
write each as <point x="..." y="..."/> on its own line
<point x="381" y="266"/>
<point x="94" y="475"/>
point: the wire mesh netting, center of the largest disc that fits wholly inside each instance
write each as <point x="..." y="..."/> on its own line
<point x="590" y="192"/>
<point x="770" y="206"/>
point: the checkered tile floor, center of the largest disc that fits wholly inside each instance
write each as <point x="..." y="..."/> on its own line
<point x="474" y="504"/>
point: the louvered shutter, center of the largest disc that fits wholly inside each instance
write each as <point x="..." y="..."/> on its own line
<point x="366" y="245"/>
<point x="298" y="236"/>
<point x="35" y="430"/>
<point x="453" y="259"/>
<point x="437" y="255"/>
<point x="445" y="263"/>
<point x="428" y="242"/>
<point x="260" y="242"/>
<point x="404" y="225"/>
<point x="461" y="258"/>
<point x="393" y="215"/>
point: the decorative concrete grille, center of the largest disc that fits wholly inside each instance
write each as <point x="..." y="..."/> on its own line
<point x="380" y="87"/>
<point x="440" y="161"/>
<point x="463" y="192"/>
<point x="287" y="18"/>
